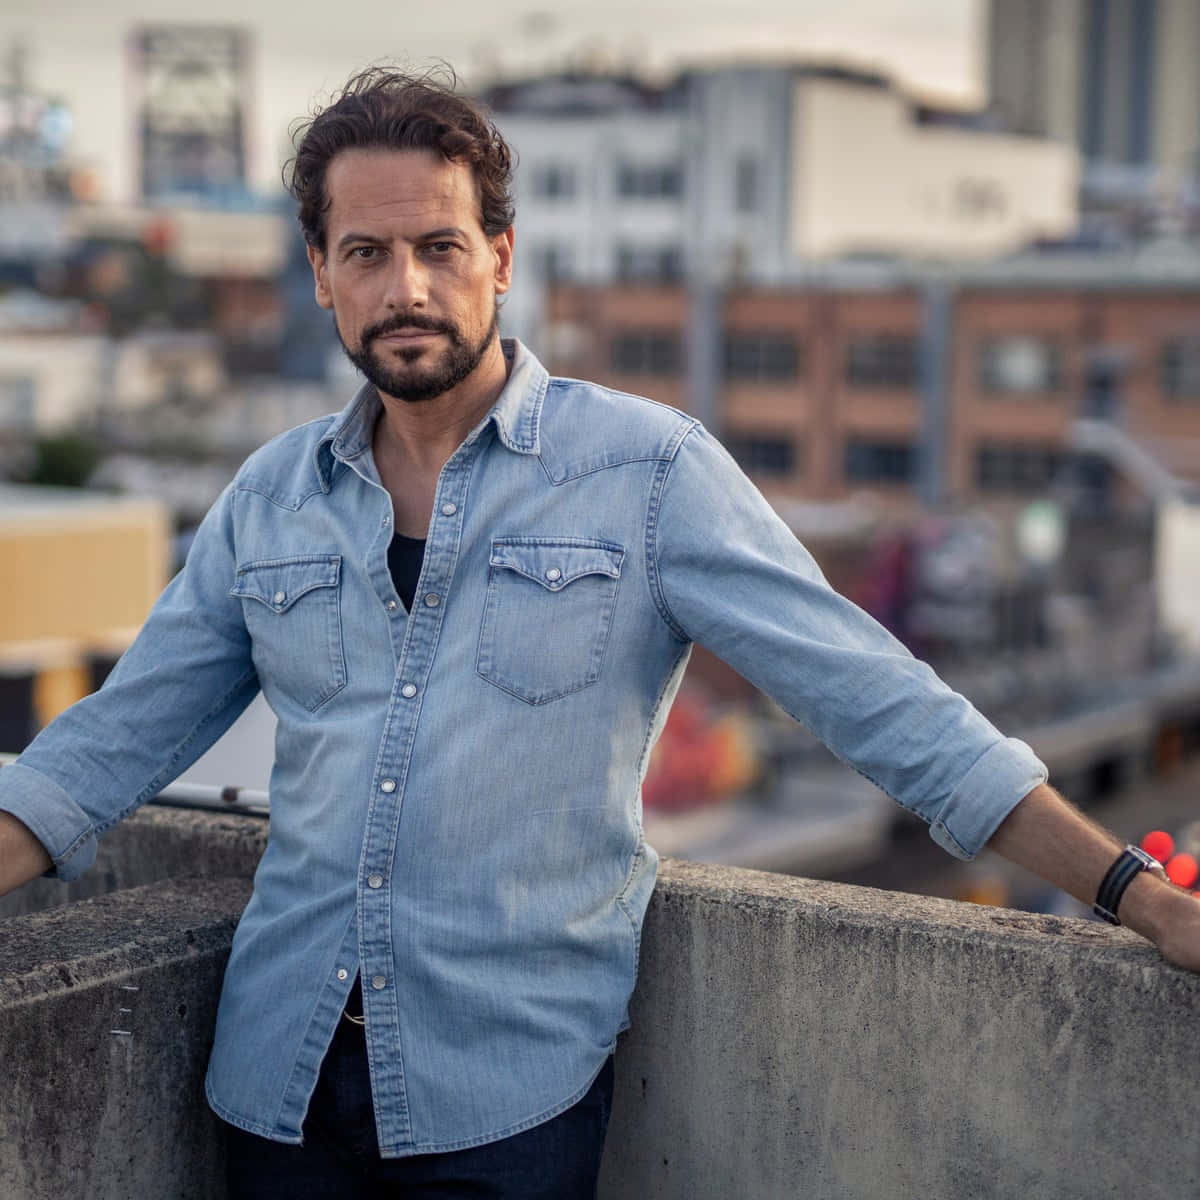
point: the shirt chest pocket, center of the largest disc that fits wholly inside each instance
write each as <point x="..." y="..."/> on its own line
<point x="548" y="614"/>
<point x="292" y="612"/>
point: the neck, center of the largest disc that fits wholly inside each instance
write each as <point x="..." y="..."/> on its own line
<point x="426" y="433"/>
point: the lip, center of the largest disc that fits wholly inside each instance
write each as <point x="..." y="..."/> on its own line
<point x="408" y="335"/>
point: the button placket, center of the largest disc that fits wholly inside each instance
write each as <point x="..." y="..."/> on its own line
<point x="412" y="671"/>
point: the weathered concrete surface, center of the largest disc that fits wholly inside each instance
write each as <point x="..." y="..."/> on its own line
<point x="793" y="1038"/>
<point x="87" y="1111"/>
<point x="154" y="843"/>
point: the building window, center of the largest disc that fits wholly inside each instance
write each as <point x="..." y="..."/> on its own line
<point x="18" y="403"/>
<point x="882" y="360"/>
<point x="553" y="181"/>
<point x="646" y="352"/>
<point x="871" y="460"/>
<point x="762" y="454"/>
<point x="1006" y="467"/>
<point x="745" y="185"/>
<point x="649" y="264"/>
<point x="649" y="181"/>
<point x="761" y="357"/>
<point x="1019" y="366"/>
<point x="553" y="263"/>
<point x="1179" y="370"/>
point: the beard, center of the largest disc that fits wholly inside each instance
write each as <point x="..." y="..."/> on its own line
<point x="405" y="380"/>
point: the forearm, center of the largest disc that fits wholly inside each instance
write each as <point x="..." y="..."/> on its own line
<point x="1051" y="838"/>
<point x="22" y="856"/>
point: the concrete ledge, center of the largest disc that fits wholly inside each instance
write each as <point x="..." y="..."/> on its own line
<point x="790" y="1038"/>
<point x="88" y="1111"/>
<point x="154" y="843"/>
<point x="793" y="1037"/>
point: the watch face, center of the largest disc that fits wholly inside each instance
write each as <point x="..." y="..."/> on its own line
<point x="1147" y="860"/>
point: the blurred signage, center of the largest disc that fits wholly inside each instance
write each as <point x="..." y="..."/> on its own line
<point x="1177" y="570"/>
<point x="1041" y="533"/>
<point x="192" y="83"/>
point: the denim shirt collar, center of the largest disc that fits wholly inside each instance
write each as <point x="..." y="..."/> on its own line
<point x="516" y="415"/>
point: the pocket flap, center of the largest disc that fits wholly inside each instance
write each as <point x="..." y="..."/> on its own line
<point x="280" y="582"/>
<point x="555" y="562"/>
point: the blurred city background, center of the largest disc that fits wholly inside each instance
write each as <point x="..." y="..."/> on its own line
<point x="930" y="268"/>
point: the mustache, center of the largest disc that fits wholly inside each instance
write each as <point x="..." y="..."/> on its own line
<point x="402" y="322"/>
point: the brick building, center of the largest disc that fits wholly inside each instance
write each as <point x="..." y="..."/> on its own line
<point x="844" y="382"/>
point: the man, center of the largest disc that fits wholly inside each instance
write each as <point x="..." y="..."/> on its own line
<point x="469" y="598"/>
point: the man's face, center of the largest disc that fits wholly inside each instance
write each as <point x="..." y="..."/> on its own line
<point x="410" y="275"/>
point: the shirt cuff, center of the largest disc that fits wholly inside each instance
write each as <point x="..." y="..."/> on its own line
<point x="1000" y="779"/>
<point x="62" y="827"/>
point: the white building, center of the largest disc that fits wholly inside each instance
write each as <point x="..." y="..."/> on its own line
<point x="752" y="173"/>
<point x="54" y="381"/>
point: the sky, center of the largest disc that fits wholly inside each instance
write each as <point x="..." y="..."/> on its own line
<point x="78" y="49"/>
<point x="932" y="43"/>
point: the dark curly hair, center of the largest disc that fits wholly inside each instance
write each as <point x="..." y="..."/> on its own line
<point x="392" y="110"/>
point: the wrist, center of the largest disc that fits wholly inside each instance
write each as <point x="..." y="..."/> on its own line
<point x="1151" y="903"/>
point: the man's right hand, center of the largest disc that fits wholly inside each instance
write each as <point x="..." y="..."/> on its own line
<point x="22" y="856"/>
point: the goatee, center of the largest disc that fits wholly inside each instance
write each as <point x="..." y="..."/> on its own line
<point x="415" y="384"/>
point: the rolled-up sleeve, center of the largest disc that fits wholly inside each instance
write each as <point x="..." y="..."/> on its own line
<point x="728" y="574"/>
<point x="179" y="686"/>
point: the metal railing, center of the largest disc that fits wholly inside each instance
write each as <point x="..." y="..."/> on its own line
<point x="207" y="796"/>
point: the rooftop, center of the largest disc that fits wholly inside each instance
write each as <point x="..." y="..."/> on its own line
<point x="790" y="1037"/>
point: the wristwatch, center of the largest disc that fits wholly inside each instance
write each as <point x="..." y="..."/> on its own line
<point x="1130" y="862"/>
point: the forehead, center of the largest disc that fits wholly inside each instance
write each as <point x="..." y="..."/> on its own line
<point x="388" y="187"/>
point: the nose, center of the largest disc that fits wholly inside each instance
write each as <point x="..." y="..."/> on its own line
<point x="407" y="283"/>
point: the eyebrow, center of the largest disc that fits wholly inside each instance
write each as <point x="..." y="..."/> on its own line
<point x="432" y="235"/>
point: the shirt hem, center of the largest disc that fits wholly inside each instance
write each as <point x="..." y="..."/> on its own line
<point x="409" y="1150"/>
<point x="247" y="1126"/>
<point x="541" y="1118"/>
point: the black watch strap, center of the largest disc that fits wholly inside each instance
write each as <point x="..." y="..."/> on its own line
<point x="1129" y="863"/>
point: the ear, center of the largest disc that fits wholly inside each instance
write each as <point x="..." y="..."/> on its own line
<point x="318" y="261"/>
<point x="502" y="247"/>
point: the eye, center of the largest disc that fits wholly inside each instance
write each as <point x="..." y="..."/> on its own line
<point x="441" y="247"/>
<point x="365" y="253"/>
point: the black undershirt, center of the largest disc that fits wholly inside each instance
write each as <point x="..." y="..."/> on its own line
<point x="405" y="556"/>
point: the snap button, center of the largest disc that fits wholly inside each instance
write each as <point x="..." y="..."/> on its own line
<point x="388" y="785"/>
<point x="280" y="597"/>
<point x="378" y="982"/>
<point x="432" y="600"/>
<point x="391" y="606"/>
<point x="374" y="881"/>
<point x="553" y="574"/>
<point x="343" y="973"/>
<point x="448" y="509"/>
<point x="408" y="691"/>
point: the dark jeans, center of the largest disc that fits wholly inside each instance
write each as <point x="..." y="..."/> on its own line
<point x="339" y="1160"/>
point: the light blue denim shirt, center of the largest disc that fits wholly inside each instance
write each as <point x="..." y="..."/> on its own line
<point x="455" y="804"/>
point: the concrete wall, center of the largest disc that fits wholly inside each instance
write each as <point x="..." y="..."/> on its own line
<point x="106" y="1012"/>
<point x="791" y="1038"/>
<point x="798" y="1038"/>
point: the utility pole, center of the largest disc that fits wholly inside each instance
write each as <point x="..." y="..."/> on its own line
<point x="935" y="365"/>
